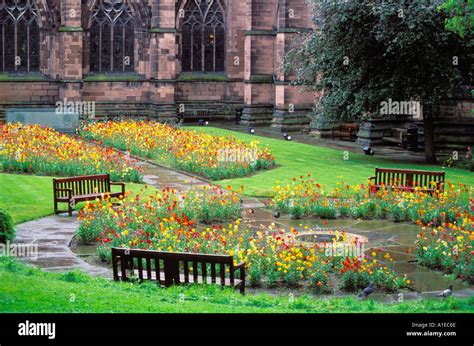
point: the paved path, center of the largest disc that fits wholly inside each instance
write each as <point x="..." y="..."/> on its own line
<point x="54" y="234"/>
<point x="161" y="177"/>
<point x="393" y="154"/>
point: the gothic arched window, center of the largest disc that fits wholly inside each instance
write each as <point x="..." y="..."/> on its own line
<point x="19" y="36"/>
<point x="203" y="36"/>
<point x="112" y="37"/>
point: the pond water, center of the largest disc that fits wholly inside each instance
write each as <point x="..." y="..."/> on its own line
<point x="397" y="239"/>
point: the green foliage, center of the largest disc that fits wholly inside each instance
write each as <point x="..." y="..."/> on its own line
<point x="466" y="162"/>
<point x="448" y="247"/>
<point x="75" y="276"/>
<point x="461" y="16"/>
<point x="202" y="77"/>
<point x="126" y="77"/>
<point x="26" y="289"/>
<point x="28" y="197"/>
<point x="353" y="281"/>
<point x="326" y="165"/>
<point x="304" y="197"/>
<point x="7" y="232"/>
<point x="325" y="212"/>
<point x="364" y="53"/>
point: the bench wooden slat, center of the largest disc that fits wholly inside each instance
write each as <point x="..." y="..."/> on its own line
<point x="204" y="269"/>
<point x="157" y="267"/>
<point x="148" y="268"/>
<point x="186" y="271"/>
<point x="123" y="266"/>
<point x="83" y="188"/>
<point x="428" y="181"/>
<point x="195" y="271"/>
<point x="191" y="280"/>
<point x="176" y="269"/>
<point x="213" y="273"/>
<point x="222" y="277"/>
<point x="232" y="277"/>
<point x="140" y="268"/>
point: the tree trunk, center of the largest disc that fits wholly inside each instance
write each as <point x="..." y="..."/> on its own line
<point x="430" y="152"/>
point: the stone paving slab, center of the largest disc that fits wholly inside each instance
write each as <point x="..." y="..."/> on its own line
<point x="53" y="235"/>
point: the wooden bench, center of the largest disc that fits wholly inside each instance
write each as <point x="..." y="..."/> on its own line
<point x="408" y="179"/>
<point x="345" y="131"/>
<point x="397" y="136"/>
<point x="82" y="189"/>
<point x="172" y="268"/>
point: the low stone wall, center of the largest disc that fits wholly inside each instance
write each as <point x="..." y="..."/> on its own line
<point x="371" y="132"/>
<point x="453" y="127"/>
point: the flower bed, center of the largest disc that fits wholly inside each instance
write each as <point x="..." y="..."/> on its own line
<point x="145" y="211"/>
<point x="273" y="257"/>
<point x="446" y="240"/>
<point x="449" y="247"/>
<point x="356" y="273"/>
<point x="209" y="156"/>
<point x="304" y="197"/>
<point x="41" y="150"/>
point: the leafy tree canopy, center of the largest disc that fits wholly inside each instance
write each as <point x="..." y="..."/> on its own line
<point x="366" y="52"/>
<point x="461" y="16"/>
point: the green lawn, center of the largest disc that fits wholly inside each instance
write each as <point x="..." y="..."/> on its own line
<point x="29" y="197"/>
<point x="28" y="289"/>
<point x="326" y="165"/>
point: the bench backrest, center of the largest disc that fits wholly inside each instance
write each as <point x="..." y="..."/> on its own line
<point x="84" y="185"/>
<point x="349" y="126"/>
<point x="178" y="268"/>
<point x="409" y="178"/>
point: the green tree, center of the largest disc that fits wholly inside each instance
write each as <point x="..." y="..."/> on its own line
<point x="366" y="52"/>
<point x="461" y="16"/>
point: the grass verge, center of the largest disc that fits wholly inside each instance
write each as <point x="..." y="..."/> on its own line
<point x="326" y="165"/>
<point x="29" y="197"/>
<point x="27" y="289"/>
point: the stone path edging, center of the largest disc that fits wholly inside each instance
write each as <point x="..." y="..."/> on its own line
<point x="52" y="236"/>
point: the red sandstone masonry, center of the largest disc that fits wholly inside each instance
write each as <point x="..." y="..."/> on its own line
<point x="28" y="91"/>
<point x="65" y="56"/>
<point x="204" y="91"/>
<point x="116" y="91"/>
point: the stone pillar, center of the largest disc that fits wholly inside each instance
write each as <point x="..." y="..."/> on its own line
<point x="292" y="106"/>
<point x="259" y="63"/>
<point x="70" y="37"/>
<point x="163" y="59"/>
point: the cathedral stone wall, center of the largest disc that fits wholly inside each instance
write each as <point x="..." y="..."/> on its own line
<point x="257" y="34"/>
